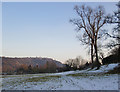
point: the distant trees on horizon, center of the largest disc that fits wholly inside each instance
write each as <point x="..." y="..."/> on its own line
<point x="76" y="64"/>
<point x="49" y="67"/>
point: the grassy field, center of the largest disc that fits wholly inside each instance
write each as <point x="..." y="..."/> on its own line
<point x="61" y="81"/>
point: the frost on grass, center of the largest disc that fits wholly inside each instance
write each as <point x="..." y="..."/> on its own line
<point x="64" y="82"/>
<point x="71" y="80"/>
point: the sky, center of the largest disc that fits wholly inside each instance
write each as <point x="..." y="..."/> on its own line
<point x="43" y="29"/>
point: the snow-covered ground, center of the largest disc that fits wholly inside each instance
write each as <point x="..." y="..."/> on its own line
<point x="71" y="80"/>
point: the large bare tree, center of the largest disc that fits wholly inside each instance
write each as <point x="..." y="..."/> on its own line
<point x="115" y="35"/>
<point x="114" y="43"/>
<point x="90" y="22"/>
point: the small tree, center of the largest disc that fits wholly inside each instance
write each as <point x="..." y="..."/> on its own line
<point x="30" y="69"/>
<point x="75" y="63"/>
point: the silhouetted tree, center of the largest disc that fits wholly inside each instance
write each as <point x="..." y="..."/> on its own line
<point x="114" y="43"/>
<point x="115" y="35"/>
<point x="90" y="22"/>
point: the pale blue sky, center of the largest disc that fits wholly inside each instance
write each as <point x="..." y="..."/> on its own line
<point x="42" y="29"/>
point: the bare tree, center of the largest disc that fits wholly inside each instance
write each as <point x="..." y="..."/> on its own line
<point x="75" y="63"/>
<point x="115" y="35"/>
<point x="89" y="23"/>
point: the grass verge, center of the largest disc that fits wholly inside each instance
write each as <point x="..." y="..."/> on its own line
<point x="41" y="79"/>
<point x="86" y="74"/>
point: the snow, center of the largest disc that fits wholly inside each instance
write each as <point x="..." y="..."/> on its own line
<point x="109" y="82"/>
<point x="70" y="80"/>
<point x="104" y="68"/>
<point x="63" y="73"/>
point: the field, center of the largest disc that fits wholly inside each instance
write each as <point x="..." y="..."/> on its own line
<point x="71" y="80"/>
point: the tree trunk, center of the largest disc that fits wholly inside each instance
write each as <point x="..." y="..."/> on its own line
<point x="92" y="53"/>
<point x="96" y="53"/>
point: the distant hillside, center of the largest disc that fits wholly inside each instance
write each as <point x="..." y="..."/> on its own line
<point x="12" y="64"/>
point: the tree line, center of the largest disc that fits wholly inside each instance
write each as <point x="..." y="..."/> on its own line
<point x="49" y="67"/>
